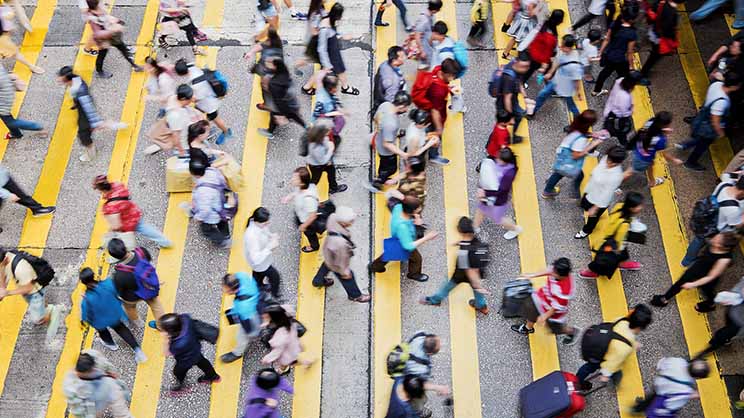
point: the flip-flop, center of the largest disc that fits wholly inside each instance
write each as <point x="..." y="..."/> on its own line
<point x="309" y="92"/>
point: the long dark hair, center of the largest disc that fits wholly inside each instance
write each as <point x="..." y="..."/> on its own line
<point x="280" y="318"/>
<point x="507" y="155"/>
<point x="260" y="215"/>
<point x="159" y="69"/>
<point x="315" y="7"/>
<point x="280" y="67"/>
<point x="273" y="40"/>
<point x="335" y="14"/>
<point x="555" y="19"/>
<point x="660" y="121"/>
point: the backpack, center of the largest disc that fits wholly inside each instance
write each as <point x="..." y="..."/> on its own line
<point x="479" y="254"/>
<point x="494" y="84"/>
<point x="565" y="164"/>
<point x="42" y="268"/>
<point x="542" y="47"/>
<point x="216" y="80"/>
<point x="148" y="284"/>
<point x="704" y="219"/>
<point x="460" y="52"/>
<point x="325" y="209"/>
<point x="701" y="126"/>
<point x="596" y="341"/>
<point x="401" y="354"/>
<point x="515" y="292"/>
<point x="229" y="200"/>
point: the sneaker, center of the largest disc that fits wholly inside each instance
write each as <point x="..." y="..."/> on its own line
<point x="265" y="133"/>
<point x="339" y="189"/>
<point x="483" y="310"/>
<point x="382" y="24"/>
<point x="372" y="188"/>
<point x="104" y="74"/>
<point x="90" y="51"/>
<point x="588" y="274"/>
<point x="427" y="300"/>
<point x="419" y="277"/>
<point x="8" y="137"/>
<point x="137" y="68"/>
<point x="630" y="265"/>
<point x="371" y="270"/>
<point x="229" y="357"/>
<point x="440" y="160"/>
<point x="177" y="388"/>
<point x="581" y="235"/>
<point x="55" y="312"/>
<point x="680" y="146"/>
<point x="152" y="149"/>
<point x="113" y="346"/>
<point x="87" y="156"/>
<point x="517" y="139"/>
<point x="548" y="195"/>
<point x="117" y="126"/>
<point x="693" y="166"/>
<point x="659" y="301"/>
<point x="139" y="356"/>
<point x="522" y="329"/>
<point x="207" y="379"/>
<point x="224" y="137"/>
<point x="299" y="16"/>
<point x="362" y="299"/>
<point x="505" y="27"/>
<point x="46" y="210"/>
<point x="600" y="93"/>
<point x="513" y="234"/>
<point x="225" y="244"/>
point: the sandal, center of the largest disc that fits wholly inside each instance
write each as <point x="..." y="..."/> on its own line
<point x="309" y="249"/>
<point x="309" y="92"/>
<point x="350" y="90"/>
<point x="659" y="301"/>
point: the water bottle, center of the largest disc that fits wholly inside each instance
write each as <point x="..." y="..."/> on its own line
<point x="540" y="79"/>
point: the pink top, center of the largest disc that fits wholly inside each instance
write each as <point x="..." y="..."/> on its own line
<point x="285" y="346"/>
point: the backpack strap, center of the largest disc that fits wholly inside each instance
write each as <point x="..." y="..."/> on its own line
<point x="117" y="198"/>
<point x="256" y="401"/>
<point x="691" y="385"/>
<point x="14" y="264"/>
<point x="337" y="234"/>
<point x="616" y="336"/>
<point x="573" y="141"/>
<point x="417" y="359"/>
<point x="568" y="62"/>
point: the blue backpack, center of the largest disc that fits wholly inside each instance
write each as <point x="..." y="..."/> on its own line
<point x="216" y="81"/>
<point x="148" y="284"/>
<point x="460" y="51"/>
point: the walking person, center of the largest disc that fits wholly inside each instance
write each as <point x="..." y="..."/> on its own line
<point x="161" y="86"/>
<point x="617" y="50"/>
<point x="403" y="220"/>
<point x="663" y="35"/>
<point x="618" y="110"/>
<point x="386" y="4"/>
<point x="734" y="323"/>
<point x="674" y="386"/>
<point x="206" y="98"/>
<point x="286" y="346"/>
<point x="704" y="272"/>
<point x="423" y="346"/>
<point x="329" y="48"/>
<point x="7" y="98"/>
<point x="264" y="391"/>
<point x="328" y="107"/>
<point x="478" y="23"/>
<point x="179" y="116"/>
<point x="387" y="132"/>
<point x="181" y="341"/>
<point x="650" y="140"/>
<point x="509" y="89"/>
<point x="285" y="102"/>
<point x="597" y="8"/>
<point x="88" y="118"/>
<point x="306" y="204"/>
<point x="108" y="31"/>
<point x="421" y="35"/>
<point x="406" y="392"/>
<point x="471" y="259"/>
<point x="570" y="154"/>
<point x="601" y="189"/>
<point x="244" y="311"/>
<point x="320" y="157"/>
<point x="525" y="21"/>
<point x="177" y="11"/>
<point x="93" y="387"/>
<point x="542" y="47"/>
<point x="338" y="248"/>
<point x="710" y="122"/>
<point x="101" y="308"/>
<point x="9" y="49"/>
<point x="268" y="50"/>
<point x="130" y="282"/>
<point x="564" y="78"/>
<point x="123" y="215"/>
<point x="389" y="79"/>
<point x="495" y="182"/>
<point x="209" y="203"/>
<point x="10" y="190"/>
<point x="258" y="245"/>
<point x="500" y="137"/>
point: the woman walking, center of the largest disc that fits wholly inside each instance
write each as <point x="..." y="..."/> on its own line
<point x="329" y="49"/>
<point x="617" y="49"/>
<point x="285" y="102"/>
<point x="285" y="343"/>
<point x="494" y="191"/>
<point x="527" y="20"/>
<point x="258" y="244"/>
<point x="601" y="188"/>
<point x="305" y="201"/>
<point x="649" y="141"/>
<point x="180" y="341"/>
<point x="618" y="111"/>
<point x="320" y="157"/>
<point x="178" y="12"/>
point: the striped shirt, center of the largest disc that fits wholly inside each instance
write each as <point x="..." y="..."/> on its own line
<point x="555" y="295"/>
<point x="7" y="92"/>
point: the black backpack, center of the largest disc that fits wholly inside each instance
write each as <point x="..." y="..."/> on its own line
<point x="378" y="92"/>
<point x="704" y="219"/>
<point x="479" y="254"/>
<point x="325" y="209"/>
<point x="596" y="341"/>
<point x="42" y="268"/>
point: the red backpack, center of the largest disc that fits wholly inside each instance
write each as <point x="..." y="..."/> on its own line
<point x="542" y="47"/>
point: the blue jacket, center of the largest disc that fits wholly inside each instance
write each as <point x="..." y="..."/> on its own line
<point x="403" y="229"/>
<point x="101" y="307"/>
<point x="246" y="300"/>
<point x="185" y="347"/>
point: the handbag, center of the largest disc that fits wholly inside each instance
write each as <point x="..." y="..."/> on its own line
<point x="206" y="332"/>
<point x="701" y="126"/>
<point x="565" y="164"/>
<point x="392" y="250"/>
<point x="618" y="126"/>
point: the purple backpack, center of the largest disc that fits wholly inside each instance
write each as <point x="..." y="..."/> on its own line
<point x="148" y="284"/>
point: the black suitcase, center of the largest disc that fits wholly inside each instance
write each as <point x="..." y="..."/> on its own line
<point x="515" y="292"/>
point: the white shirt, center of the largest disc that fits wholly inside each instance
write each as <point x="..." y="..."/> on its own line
<point x="256" y="247"/>
<point x="597" y="7"/>
<point x="570" y="70"/>
<point x="206" y="100"/>
<point x="180" y="118"/>
<point x="588" y="51"/>
<point x="620" y="102"/>
<point x="728" y="216"/>
<point x="577" y="146"/>
<point x="306" y="203"/>
<point x="715" y="91"/>
<point x="603" y="183"/>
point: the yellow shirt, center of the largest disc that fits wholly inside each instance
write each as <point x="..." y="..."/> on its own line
<point x="618" y="351"/>
<point x="617" y="227"/>
<point x="479" y="11"/>
<point x="24" y="273"/>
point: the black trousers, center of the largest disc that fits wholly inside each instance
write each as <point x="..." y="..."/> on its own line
<point x="722" y="336"/>
<point x="652" y="59"/>
<point x="189" y="29"/>
<point x="477" y="30"/>
<point x="591" y="221"/>
<point x="217" y="233"/>
<point x="350" y="285"/>
<point x="293" y="116"/>
<point x="118" y="45"/>
<point x="311" y="233"/>
<point x="387" y="167"/>
<point x="180" y="369"/>
<point x="23" y="198"/>
<point x="708" y="290"/>
<point x="274" y="279"/>
<point x="415" y="263"/>
<point x="123" y="332"/>
<point x="621" y="68"/>
<point x="316" y="172"/>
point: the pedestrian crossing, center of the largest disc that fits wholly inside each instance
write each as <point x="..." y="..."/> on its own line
<point x="467" y="391"/>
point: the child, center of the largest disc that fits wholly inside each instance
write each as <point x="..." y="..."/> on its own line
<point x="478" y="17"/>
<point x="590" y="52"/>
<point x="500" y="137"/>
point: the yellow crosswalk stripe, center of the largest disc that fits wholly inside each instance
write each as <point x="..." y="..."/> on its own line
<point x="149" y="376"/>
<point x="543" y="348"/>
<point x="466" y="391"/>
<point x="29" y="48"/>
<point x="36" y="230"/>
<point x="224" y="402"/>
<point x="386" y="297"/>
<point x="120" y="166"/>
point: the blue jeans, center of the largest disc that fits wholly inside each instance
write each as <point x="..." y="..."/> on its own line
<point x="555" y="178"/>
<point x="693" y="249"/>
<point x="36" y="306"/>
<point x="739" y="7"/>
<point x="707" y="8"/>
<point x="15" y="126"/>
<point x="448" y="286"/>
<point x="545" y="94"/>
<point x="589" y="368"/>
<point x="149" y="232"/>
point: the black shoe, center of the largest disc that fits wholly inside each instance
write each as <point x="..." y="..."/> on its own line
<point x="688" y="119"/>
<point x="382" y="24"/>
<point x="517" y="139"/>
<point x="658" y="301"/>
<point x="586" y="386"/>
<point x="693" y="166"/>
<point x="209" y="379"/>
<point x="505" y="27"/>
<point x="104" y="74"/>
<point x="372" y="270"/>
<point x="704" y="307"/>
<point x="326" y="283"/>
<point x="339" y="189"/>
<point x="229" y="357"/>
<point x="137" y="68"/>
<point x="418" y="277"/>
<point x="46" y="210"/>
<point x="177" y="387"/>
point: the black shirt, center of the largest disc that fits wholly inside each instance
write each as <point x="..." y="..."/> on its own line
<point x="666" y="25"/>
<point x="508" y="84"/>
<point x="125" y="282"/>
<point x="617" y="48"/>
<point x="702" y="265"/>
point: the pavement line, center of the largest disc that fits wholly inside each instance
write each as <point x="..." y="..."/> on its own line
<point x="386" y="290"/>
<point x="225" y="400"/>
<point x="697" y="77"/>
<point x="31" y="47"/>
<point x="148" y="379"/>
<point x="543" y="349"/>
<point x="730" y="18"/>
<point x="36" y="230"/>
<point x="466" y="391"/>
<point x="713" y="394"/>
<point x="120" y="167"/>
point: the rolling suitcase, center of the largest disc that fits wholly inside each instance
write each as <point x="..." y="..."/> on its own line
<point x="552" y="396"/>
<point x="515" y="292"/>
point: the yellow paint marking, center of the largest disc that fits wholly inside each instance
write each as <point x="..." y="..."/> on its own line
<point x="225" y="400"/>
<point x="120" y="166"/>
<point x="29" y="48"/>
<point x="463" y="333"/>
<point x="543" y="348"/>
<point x="36" y="230"/>
<point x="386" y="297"/>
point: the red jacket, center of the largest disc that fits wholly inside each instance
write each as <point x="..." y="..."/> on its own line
<point x="117" y="202"/>
<point x="431" y="92"/>
<point x="499" y="139"/>
<point x="542" y="47"/>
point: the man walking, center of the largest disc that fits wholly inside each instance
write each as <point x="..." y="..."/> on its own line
<point x="387" y="124"/>
<point x="94" y="387"/>
<point x="10" y="190"/>
<point x="243" y="312"/>
<point x="7" y="97"/>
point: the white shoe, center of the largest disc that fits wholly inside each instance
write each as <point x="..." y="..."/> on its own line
<point x="112" y="347"/>
<point x="152" y="149"/>
<point x="513" y="234"/>
<point x="139" y="356"/>
<point x="85" y="157"/>
<point x="55" y="312"/>
<point x="581" y="234"/>
<point x="116" y="126"/>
